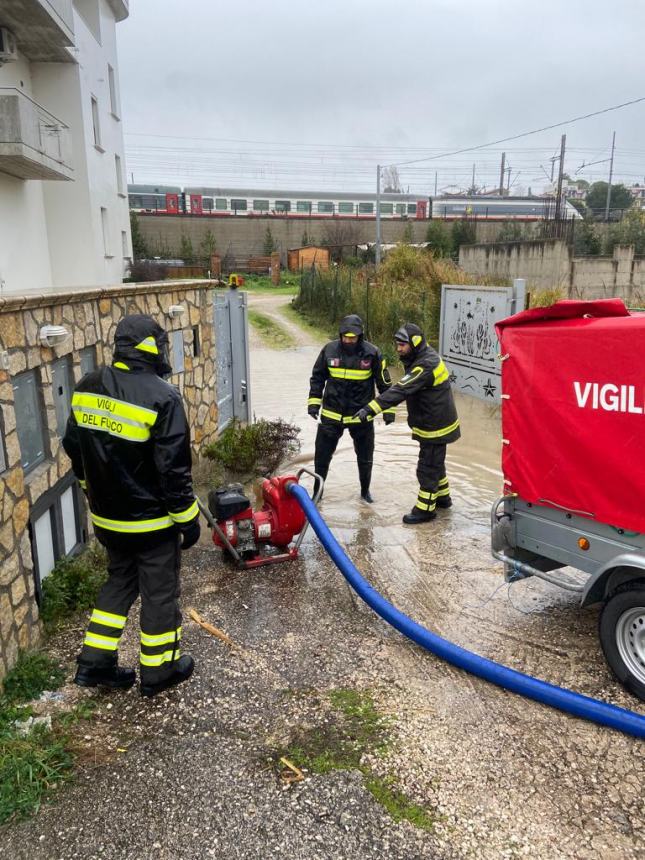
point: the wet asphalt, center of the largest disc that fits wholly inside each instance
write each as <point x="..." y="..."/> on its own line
<point x="191" y="774"/>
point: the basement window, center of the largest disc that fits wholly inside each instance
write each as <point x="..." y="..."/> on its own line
<point x="56" y="527"/>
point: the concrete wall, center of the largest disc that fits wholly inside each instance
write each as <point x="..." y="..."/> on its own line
<point x="550" y="265"/>
<point x="91" y="317"/>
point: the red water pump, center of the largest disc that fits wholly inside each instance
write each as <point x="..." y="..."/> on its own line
<point x="250" y="535"/>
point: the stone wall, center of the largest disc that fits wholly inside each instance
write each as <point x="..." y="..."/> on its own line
<point x="91" y="317"/>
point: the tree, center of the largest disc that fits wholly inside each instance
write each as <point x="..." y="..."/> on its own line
<point x="207" y="246"/>
<point x="307" y="240"/>
<point x="630" y="231"/>
<point x="464" y="232"/>
<point x="186" y="251"/>
<point x="579" y="205"/>
<point x="596" y="199"/>
<point x="139" y="247"/>
<point x="338" y="234"/>
<point x="408" y="233"/>
<point x="586" y="240"/>
<point x="438" y="239"/>
<point x="269" y="243"/>
<point x="510" y="231"/>
<point x="391" y="181"/>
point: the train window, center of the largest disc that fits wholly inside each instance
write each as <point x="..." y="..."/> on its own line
<point x="400" y="208"/>
<point x="346" y="208"/>
<point x="387" y="208"/>
<point x="220" y="203"/>
<point x="325" y="206"/>
<point x="207" y="204"/>
<point x="238" y="204"/>
<point x="366" y="208"/>
<point x="303" y="206"/>
<point x="412" y="208"/>
<point x="260" y="205"/>
<point x="136" y="202"/>
<point x="283" y="205"/>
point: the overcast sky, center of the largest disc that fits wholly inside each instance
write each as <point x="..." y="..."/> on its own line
<point x="312" y="94"/>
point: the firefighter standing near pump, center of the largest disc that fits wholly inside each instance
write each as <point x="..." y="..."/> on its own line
<point x="342" y="380"/>
<point x="129" y="442"/>
<point x="432" y="417"/>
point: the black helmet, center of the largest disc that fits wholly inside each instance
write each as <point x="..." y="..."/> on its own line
<point x="140" y="338"/>
<point x="351" y="324"/>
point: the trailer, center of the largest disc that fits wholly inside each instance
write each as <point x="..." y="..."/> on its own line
<point x="573" y="458"/>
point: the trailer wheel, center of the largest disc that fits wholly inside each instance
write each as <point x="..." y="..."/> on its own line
<point x="622" y="635"/>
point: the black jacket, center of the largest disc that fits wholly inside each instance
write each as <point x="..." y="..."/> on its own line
<point x="432" y="414"/>
<point x="343" y="381"/>
<point x="129" y="442"/>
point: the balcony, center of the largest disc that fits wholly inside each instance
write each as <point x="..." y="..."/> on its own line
<point x="121" y="8"/>
<point x="44" y="29"/>
<point x="33" y="143"/>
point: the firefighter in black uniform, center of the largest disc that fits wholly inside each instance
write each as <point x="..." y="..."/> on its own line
<point x="432" y="417"/>
<point x="342" y="380"/>
<point x="129" y="442"/>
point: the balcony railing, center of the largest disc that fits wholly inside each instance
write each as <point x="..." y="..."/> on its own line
<point x="34" y="144"/>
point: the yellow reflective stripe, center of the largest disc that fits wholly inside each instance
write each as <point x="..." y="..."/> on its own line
<point x="443" y="481"/>
<point x="335" y="416"/>
<point x="106" y="643"/>
<point x="119" y="427"/>
<point x="314" y="401"/>
<point x="108" y="619"/>
<point x="121" y="365"/>
<point x="444" y="492"/>
<point x="102" y="404"/>
<point x="423" y="507"/>
<point x="373" y="405"/>
<point x="131" y="526"/>
<point x="185" y="516"/>
<point x="148" y="345"/>
<point x="349" y="419"/>
<point x="411" y="375"/>
<point x="390" y="411"/>
<point x="440" y="373"/>
<point x="423" y="494"/>
<point x="82" y="484"/>
<point x="159" y="659"/>
<point x="349" y="373"/>
<point x="160" y="638"/>
<point x="435" y="434"/>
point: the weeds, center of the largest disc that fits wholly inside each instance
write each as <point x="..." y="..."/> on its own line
<point x="33" y="673"/>
<point x="73" y="584"/>
<point x="257" y="448"/>
<point x="271" y="332"/>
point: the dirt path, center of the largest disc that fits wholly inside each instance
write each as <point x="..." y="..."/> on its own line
<point x="501" y="776"/>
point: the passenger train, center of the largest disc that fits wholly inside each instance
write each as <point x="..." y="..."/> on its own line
<point x="232" y="202"/>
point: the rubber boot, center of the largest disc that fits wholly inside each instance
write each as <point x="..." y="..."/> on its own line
<point x="115" y="677"/>
<point x="182" y="672"/>
<point x="365" y="477"/>
<point x="445" y="502"/>
<point x="417" y="516"/>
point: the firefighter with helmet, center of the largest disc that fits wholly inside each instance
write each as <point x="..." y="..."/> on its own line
<point x="432" y="417"/>
<point x="342" y="379"/>
<point x="129" y="442"/>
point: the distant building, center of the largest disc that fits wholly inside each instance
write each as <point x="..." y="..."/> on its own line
<point x="64" y="218"/>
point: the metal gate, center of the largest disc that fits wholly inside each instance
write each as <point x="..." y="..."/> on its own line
<point x="232" y="357"/>
<point x="467" y="339"/>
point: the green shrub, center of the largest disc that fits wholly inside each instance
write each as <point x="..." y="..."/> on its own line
<point x="73" y="584"/>
<point x="257" y="448"/>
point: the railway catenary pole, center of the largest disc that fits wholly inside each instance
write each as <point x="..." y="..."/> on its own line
<point x="501" y="175"/>
<point x="377" y="250"/>
<point x="558" y="199"/>
<point x="611" y="173"/>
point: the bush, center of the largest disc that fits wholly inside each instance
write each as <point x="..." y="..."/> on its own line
<point x="438" y="239"/>
<point x="73" y="585"/>
<point x="147" y="270"/>
<point x="256" y="449"/>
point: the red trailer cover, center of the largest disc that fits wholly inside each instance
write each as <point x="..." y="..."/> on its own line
<point x="573" y="409"/>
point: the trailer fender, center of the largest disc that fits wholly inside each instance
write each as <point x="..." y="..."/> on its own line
<point x="621" y="569"/>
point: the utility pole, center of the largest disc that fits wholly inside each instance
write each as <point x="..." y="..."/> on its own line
<point x="508" y="181"/>
<point x="435" y="183"/>
<point x="377" y="252"/>
<point x="472" y="185"/>
<point x="558" y="199"/>
<point x="501" y="175"/>
<point x="611" y="173"/>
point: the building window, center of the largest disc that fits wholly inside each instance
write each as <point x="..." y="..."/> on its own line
<point x="29" y="420"/>
<point x="366" y="208"/>
<point x="63" y="385"/>
<point x="197" y="347"/>
<point x="119" y="175"/>
<point x="105" y="226"/>
<point x="114" y="94"/>
<point x="96" y="125"/>
<point x="56" y="527"/>
<point x="303" y="206"/>
<point x="87" y="360"/>
<point x="124" y="245"/>
<point x="387" y="208"/>
<point x="261" y="205"/>
<point x="220" y="203"/>
<point x="346" y="208"/>
<point x="283" y="205"/>
<point x="325" y="206"/>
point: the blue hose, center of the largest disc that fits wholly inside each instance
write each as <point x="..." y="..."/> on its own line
<point x="548" y="694"/>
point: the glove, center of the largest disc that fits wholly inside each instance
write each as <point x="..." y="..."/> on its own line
<point x="313" y="411"/>
<point x="363" y="414"/>
<point x="389" y="417"/>
<point x="190" y="534"/>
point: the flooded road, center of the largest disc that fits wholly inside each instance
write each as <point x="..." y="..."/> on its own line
<point x="525" y="777"/>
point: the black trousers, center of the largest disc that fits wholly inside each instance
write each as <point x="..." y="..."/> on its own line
<point x="327" y="439"/>
<point x="153" y="573"/>
<point x="431" y="475"/>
